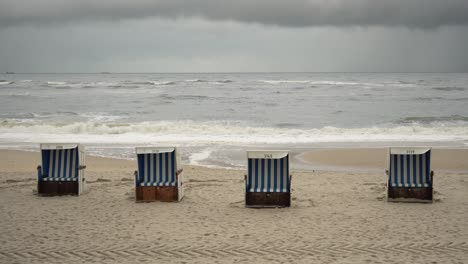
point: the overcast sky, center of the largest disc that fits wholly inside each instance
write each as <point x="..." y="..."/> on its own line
<point x="241" y="35"/>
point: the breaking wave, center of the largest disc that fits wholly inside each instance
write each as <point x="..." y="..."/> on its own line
<point x="191" y="132"/>
<point x="196" y="81"/>
<point x="56" y="83"/>
<point x="164" y="83"/>
<point x="433" y="119"/>
<point x="89" y="85"/>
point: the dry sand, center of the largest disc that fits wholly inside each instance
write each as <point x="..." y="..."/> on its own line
<point x="336" y="217"/>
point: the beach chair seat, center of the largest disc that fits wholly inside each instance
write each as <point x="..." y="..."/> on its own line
<point x="62" y="169"/>
<point x="409" y="177"/>
<point x="268" y="182"/>
<point x="159" y="175"/>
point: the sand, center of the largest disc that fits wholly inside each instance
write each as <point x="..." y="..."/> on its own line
<point x="376" y="159"/>
<point x="336" y="217"/>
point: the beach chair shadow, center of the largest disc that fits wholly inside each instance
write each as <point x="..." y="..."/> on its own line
<point x="267" y="182"/>
<point x="409" y="177"/>
<point x="62" y="170"/>
<point x="159" y="175"/>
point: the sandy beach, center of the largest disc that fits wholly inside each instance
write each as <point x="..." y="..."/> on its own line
<point x="337" y="216"/>
<point x="376" y="159"/>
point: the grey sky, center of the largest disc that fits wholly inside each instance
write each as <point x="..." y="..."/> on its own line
<point x="411" y="13"/>
<point x="214" y="35"/>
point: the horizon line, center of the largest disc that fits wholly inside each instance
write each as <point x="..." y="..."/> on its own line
<point x="222" y="72"/>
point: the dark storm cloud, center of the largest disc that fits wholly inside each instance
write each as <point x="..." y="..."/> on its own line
<point x="292" y="13"/>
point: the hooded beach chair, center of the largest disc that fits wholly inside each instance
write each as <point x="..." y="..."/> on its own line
<point x="268" y="183"/>
<point x="159" y="175"/>
<point x="62" y="169"/>
<point x="410" y="178"/>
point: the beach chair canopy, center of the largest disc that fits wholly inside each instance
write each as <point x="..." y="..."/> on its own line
<point x="268" y="171"/>
<point x="157" y="166"/>
<point x="410" y="167"/>
<point x="60" y="162"/>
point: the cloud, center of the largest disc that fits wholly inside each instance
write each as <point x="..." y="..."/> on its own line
<point x="291" y="13"/>
<point x="198" y="45"/>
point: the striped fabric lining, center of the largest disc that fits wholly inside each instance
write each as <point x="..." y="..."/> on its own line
<point x="60" y="165"/>
<point x="268" y="175"/>
<point x="410" y="170"/>
<point x="157" y="169"/>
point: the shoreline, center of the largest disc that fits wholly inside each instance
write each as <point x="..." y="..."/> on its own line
<point x="323" y="159"/>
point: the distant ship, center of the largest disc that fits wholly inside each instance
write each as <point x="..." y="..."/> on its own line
<point x="9" y="72"/>
<point x="105" y="72"/>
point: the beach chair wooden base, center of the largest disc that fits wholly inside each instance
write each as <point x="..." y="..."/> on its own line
<point x="267" y="199"/>
<point x="56" y="188"/>
<point x="152" y="194"/>
<point x="405" y="194"/>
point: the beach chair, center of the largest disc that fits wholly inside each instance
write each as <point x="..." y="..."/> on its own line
<point x="268" y="183"/>
<point x="410" y="178"/>
<point x="159" y="175"/>
<point x="62" y="169"/>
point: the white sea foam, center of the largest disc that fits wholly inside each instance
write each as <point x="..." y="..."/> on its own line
<point x="56" y="83"/>
<point x="196" y="133"/>
<point x="98" y="84"/>
<point x="154" y="83"/>
<point x="100" y="117"/>
<point x="164" y="83"/>
<point x="337" y="83"/>
<point x="197" y="157"/>
<point x="5" y="82"/>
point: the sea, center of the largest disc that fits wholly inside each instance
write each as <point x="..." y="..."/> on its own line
<point x="215" y="117"/>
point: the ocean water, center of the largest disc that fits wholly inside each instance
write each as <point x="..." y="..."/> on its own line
<point x="215" y="117"/>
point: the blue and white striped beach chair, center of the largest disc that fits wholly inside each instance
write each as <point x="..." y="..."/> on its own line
<point x="268" y="182"/>
<point x="410" y="177"/>
<point x="159" y="174"/>
<point x="62" y="169"/>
